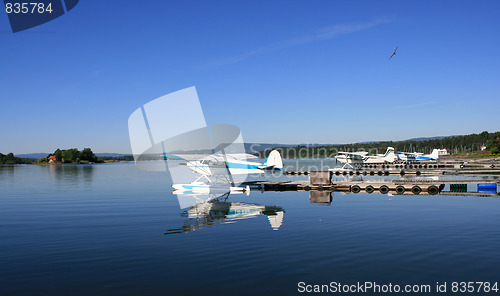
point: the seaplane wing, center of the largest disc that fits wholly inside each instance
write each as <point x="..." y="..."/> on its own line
<point x="241" y="156"/>
<point x="235" y="163"/>
<point x="360" y="153"/>
<point x="181" y="156"/>
<point x="233" y="156"/>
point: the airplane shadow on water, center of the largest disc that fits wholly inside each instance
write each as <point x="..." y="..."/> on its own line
<point x="206" y="210"/>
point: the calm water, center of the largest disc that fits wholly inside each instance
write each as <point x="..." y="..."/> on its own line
<point x="100" y="230"/>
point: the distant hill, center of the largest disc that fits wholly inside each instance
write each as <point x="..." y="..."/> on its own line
<point x="33" y="155"/>
<point x="407" y="140"/>
<point x="428" y="138"/>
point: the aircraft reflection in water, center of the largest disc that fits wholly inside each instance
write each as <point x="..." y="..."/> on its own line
<point x="212" y="209"/>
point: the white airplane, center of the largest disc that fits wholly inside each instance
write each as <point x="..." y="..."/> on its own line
<point x="407" y="156"/>
<point x="358" y="158"/>
<point x="433" y="156"/>
<point x="221" y="166"/>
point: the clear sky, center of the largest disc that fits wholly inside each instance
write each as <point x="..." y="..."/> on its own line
<point x="283" y="71"/>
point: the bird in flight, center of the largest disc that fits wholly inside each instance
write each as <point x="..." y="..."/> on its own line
<point x="393" y="53"/>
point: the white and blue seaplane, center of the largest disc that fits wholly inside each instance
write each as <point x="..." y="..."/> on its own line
<point x="218" y="171"/>
<point x="417" y="156"/>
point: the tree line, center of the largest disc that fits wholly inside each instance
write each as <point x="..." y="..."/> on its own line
<point x="11" y="159"/>
<point x="119" y="158"/>
<point x="456" y="145"/>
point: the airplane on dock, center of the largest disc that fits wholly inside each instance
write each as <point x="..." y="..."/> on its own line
<point x="433" y="156"/>
<point x="351" y="159"/>
<point x="407" y="156"/>
<point x="417" y="156"/>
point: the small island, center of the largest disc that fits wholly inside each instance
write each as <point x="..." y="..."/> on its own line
<point x="71" y="156"/>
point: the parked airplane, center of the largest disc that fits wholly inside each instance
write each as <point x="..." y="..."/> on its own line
<point x="433" y="156"/>
<point x="416" y="156"/>
<point x="357" y="158"/>
<point x="407" y="156"/>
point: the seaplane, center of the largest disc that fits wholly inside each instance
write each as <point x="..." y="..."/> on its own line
<point x="417" y="156"/>
<point x="218" y="170"/>
<point x="408" y="156"/>
<point x="352" y="159"/>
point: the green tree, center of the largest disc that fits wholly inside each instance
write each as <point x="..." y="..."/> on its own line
<point x="88" y="155"/>
<point x="43" y="160"/>
<point x="58" y="155"/>
<point x="493" y="145"/>
<point x="71" y="155"/>
<point x="484" y="136"/>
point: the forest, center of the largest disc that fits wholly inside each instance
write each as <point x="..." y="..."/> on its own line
<point x="456" y="145"/>
<point x="11" y="159"/>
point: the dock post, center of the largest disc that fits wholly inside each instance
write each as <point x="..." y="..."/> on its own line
<point x="320" y="177"/>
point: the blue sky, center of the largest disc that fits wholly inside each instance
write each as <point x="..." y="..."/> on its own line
<point x="283" y="71"/>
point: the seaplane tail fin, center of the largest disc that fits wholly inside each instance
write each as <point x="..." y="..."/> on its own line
<point x="273" y="161"/>
<point x="276" y="220"/>
<point x="390" y="155"/>
<point x="434" y="154"/>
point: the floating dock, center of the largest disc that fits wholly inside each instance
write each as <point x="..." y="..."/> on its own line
<point x="409" y="169"/>
<point x="416" y="187"/>
<point x="322" y="181"/>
